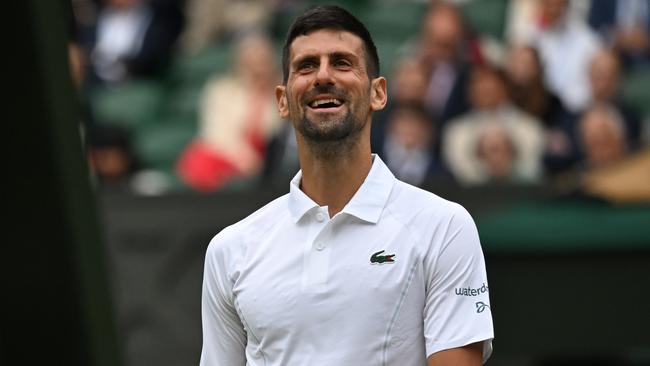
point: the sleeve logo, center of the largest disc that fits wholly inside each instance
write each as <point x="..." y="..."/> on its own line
<point x="481" y="306"/>
<point x="468" y="291"/>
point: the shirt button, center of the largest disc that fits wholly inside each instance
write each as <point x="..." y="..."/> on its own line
<point x="320" y="217"/>
<point x="320" y="246"/>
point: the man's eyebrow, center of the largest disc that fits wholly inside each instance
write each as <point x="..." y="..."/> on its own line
<point x="332" y="56"/>
<point x="339" y="54"/>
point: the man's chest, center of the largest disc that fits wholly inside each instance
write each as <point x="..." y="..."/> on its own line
<point x="331" y="284"/>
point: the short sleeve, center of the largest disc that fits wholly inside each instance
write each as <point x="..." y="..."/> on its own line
<point x="457" y="309"/>
<point x="224" y="337"/>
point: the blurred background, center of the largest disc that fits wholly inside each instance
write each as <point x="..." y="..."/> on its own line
<point x="147" y="126"/>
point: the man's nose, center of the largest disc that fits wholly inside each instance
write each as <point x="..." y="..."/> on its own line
<point x="324" y="74"/>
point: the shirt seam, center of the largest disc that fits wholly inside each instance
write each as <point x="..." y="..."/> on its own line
<point x="417" y="242"/>
<point x="250" y="331"/>
<point x="389" y="330"/>
<point x="236" y="300"/>
<point x="407" y="227"/>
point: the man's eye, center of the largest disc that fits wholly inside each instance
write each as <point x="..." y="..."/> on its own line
<point x="342" y="63"/>
<point x="306" y="66"/>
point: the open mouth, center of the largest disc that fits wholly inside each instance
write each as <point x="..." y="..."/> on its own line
<point x="325" y="104"/>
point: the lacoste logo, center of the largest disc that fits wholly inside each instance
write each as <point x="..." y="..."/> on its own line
<point x="380" y="259"/>
<point x="481" y="306"/>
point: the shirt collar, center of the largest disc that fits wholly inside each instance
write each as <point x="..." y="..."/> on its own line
<point x="367" y="203"/>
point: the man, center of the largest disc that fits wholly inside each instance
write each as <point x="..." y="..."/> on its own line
<point x="352" y="267"/>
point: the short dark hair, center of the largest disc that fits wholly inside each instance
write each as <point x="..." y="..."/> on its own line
<point x="330" y="17"/>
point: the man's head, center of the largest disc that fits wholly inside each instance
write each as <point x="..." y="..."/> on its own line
<point x="602" y="135"/>
<point x="409" y="83"/>
<point x="443" y="34"/>
<point x="411" y="126"/>
<point x="553" y="11"/>
<point x="488" y="88"/>
<point x="333" y="18"/>
<point x="523" y="66"/>
<point x="330" y="88"/>
<point x="255" y="58"/>
<point x="496" y="151"/>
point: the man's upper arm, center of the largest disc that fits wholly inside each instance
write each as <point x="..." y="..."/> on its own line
<point x="457" y="309"/>
<point x="470" y="355"/>
<point x="224" y="337"/>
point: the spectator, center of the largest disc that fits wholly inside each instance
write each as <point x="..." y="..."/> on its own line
<point x="528" y="92"/>
<point x="409" y="149"/>
<point x="491" y="106"/>
<point x="625" y="24"/>
<point x="238" y="116"/>
<point x="444" y="61"/>
<point x="497" y="154"/>
<point x="527" y="18"/>
<point x="602" y="137"/>
<point x="132" y="38"/>
<point x="566" y="46"/>
<point x="408" y="85"/>
<point x="604" y="83"/>
<point x="604" y="78"/>
<point x="526" y="84"/>
<point x="409" y="82"/>
<point x="210" y="20"/>
<point x="111" y="158"/>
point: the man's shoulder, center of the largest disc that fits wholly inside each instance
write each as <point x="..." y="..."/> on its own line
<point x="408" y="201"/>
<point x="254" y="225"/>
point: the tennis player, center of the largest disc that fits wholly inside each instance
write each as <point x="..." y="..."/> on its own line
<point x="352" y="267"/>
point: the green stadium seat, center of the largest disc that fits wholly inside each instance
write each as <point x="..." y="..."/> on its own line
<point x="636" y="90"/>
<point x="394" y="22"/>
<point x="195" y="69"/>
<point x="181" y="103"/>
<point x="159" y="145"/>
<point x="487" y="17"/>
<point x="131" y="104"/>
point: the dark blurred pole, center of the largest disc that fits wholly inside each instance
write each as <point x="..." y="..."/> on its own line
<point x="55" y="303"/>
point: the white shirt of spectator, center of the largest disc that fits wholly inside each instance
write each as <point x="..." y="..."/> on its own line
<point x="566" y="51"/>
<point x="120" y="34"/>
<point x="289" y="285"/>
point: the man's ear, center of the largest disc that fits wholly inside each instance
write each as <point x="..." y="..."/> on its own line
<point x="281" y="98"/>
<point x="378" y="94"/>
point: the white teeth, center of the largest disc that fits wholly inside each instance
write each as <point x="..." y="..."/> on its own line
<point x="316" y="103"/>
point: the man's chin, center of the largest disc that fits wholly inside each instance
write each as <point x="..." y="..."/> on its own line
<point x="326" y="136"/>
<point x="325" y="130"/>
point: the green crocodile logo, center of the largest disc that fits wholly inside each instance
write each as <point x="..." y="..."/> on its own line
<point x="380" y="259"/>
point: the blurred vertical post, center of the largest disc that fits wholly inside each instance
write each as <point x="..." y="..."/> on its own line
<point x="56" y="307"/>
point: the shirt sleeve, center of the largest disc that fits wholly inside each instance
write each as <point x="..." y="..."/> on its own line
<point x="224" y="337"/>
<point x="457" y="309"/>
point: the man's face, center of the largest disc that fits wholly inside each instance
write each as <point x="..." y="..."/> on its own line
<point x="487" y="91"/>
<point x="443" y="35"/>
<point x="328" y="95"/>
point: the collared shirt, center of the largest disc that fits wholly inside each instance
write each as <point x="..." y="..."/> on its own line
<point x="394" y="277"/>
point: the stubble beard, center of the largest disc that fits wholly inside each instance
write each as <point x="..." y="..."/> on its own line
<point x="332" y="138"/>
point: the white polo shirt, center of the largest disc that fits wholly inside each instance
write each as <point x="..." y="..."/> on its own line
<point x="394" y="277"/>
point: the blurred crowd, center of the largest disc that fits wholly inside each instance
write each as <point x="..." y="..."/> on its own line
<point x="540" y="105"/>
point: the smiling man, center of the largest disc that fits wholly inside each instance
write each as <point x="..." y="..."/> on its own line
<point x="352" y="267"/>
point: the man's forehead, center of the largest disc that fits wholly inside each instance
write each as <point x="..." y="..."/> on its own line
<point x="326" y="41"/>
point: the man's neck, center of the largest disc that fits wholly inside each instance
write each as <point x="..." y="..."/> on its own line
<point x="333" y="182"/>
